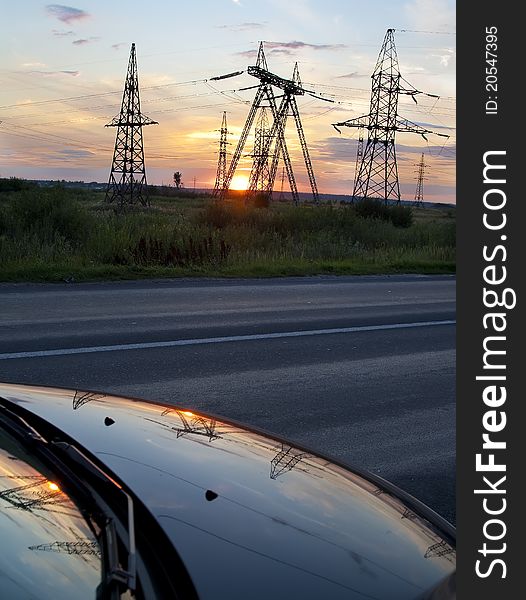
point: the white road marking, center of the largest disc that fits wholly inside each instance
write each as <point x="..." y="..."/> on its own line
<point x="217" y="340"/>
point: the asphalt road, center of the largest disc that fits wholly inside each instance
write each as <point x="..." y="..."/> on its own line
<point x="360" y="368"/>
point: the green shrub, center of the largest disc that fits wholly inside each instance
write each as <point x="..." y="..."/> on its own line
<point x="398" y="215"/>
<point x="13" y="184"/>
<point x="46" y="213"/>
<point x="217" y="215"/>
<point x="401" y="216"/>
<point x="261" y="200"/>
<point x="371" y="209"/>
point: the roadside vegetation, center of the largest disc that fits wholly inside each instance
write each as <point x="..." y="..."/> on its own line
<point x="55" y="234"/>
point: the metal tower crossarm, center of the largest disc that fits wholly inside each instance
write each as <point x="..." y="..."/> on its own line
<point x="287" y="85"/>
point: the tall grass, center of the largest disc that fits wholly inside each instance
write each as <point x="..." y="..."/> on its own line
<point x="53" y="233"/>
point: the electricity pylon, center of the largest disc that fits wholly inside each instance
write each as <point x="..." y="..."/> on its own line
<point x="80" y="547"/>
<point x="35" y="494"/>
<point x="259" y="180"/>
<point x="81" y="398"/>
<point x="274" y="144"/>
<point x="127" y="182"/>
<point x="359" y="157"/>
<point x="281" y="192"/>
<point x="419" y="194"/>
<point x="191" y="423"/>
<point x="221" y="164"/>
<point x="197" y="425"/>
<point x="440" y="549"/>
<point x="378" y="173"/>
<point x="285" y="460"/>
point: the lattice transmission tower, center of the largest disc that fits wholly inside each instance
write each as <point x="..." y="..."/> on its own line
<point x="221" y="164"/>
<point x="197" y="425"/>
<point x="419" y="194"/>
<point x="273" y="145"/>
<point x="378" y="171"/>
<point x="127" y="182"/>
<point x="259" y="181"/>
<point x="79" y="547"/>
<point x="359" y="156"/>
<point x="281" y="191"/>
<point x="285" y="460"/>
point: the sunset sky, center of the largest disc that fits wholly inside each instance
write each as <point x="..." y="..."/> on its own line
<point x="62" y="69"/>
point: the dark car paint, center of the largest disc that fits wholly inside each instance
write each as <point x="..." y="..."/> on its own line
<point x="248" y="512"/>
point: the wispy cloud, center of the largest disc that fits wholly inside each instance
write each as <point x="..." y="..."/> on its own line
<point x="336" y="149"/>
<point x="242" y="26"/>
<point x="298" y="45"/>
<point x="66" y="14"/>
<point x="33" y="65"/>
<point x="248" y="54"/>
<point x="432" y="150"/>
<point x="69" y="154"/>
<point x="83" y="41"/>
<point x="349" y="75"/>
<point x="433" y="126"/>
<point x="58" y="33"/>
<point x="55" y="73"/>
<point x="119" y="45"/>
<point x="290" y="48"/>
<point x="445" y="59"/>
<point x="285" y="51"/>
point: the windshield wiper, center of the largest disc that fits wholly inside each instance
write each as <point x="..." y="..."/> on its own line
<point x="114" y="572"/>
<point x="115" y="578"/>
<point x="21" y="426"/>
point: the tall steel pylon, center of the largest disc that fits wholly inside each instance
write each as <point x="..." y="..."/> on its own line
<point x="259" y="181"/>
<point x="274" y="144"/>
<point x="127" y="182"/>
<point x="378" y="172"/>
<point x="285" y="460"/>
<point x="281" y="192"/>
<point x="221" y="164"/>
<point x="419" y="194"/>
<point x="79" y="547"/>
<point x="359" y="157"/>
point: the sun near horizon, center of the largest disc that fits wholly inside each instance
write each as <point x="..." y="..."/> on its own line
<point x="239" y="182"/>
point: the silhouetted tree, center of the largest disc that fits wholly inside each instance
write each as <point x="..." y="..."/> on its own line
<point x="177" y="179"/>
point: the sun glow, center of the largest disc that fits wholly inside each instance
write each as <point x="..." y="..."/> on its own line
<point x="239" y="182"/>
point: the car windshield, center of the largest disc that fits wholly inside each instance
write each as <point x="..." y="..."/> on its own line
<point x="48" y="549"/>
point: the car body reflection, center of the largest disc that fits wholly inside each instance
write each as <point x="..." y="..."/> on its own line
<point x="312" y="529"/>
<point x="34" y="513"/>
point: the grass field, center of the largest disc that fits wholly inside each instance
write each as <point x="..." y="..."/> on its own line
<point x="55" y="234"/>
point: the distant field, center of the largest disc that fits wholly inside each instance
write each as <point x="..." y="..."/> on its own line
<point x="56" y="234"/>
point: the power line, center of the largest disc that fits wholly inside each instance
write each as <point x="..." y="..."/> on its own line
<point x="99" y="95"/>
